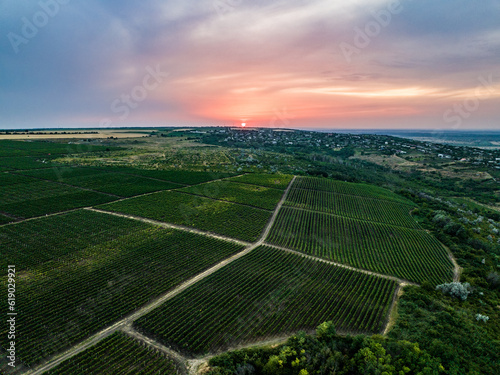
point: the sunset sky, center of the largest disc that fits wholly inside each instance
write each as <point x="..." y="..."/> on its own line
<point x="432" y="64"/>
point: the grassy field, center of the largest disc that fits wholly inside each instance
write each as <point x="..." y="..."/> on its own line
<point x="229" y="219"/>
<point x="265" y="294"/>
<point x="257" y="196"/>
<point x="402" y="252"/>
<point x="117" y="354"/>
<point x="79" y="272"/>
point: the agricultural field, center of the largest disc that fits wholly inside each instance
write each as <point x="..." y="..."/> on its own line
<point x="402" y="252"/>
<point x="4" y="219"/>
<point x="39" y="148"/>
<point x="268" y="293"/>
<point x="117" y="354"/>
<point x="253" y="195"/>
<point x="118" y="184"/>
<point x="181" y="177"/>
<point x="26" y="197"/>
<point x="340" y="187"/>
<point x="276" y="181"/>
<point x="225" y="218"/>
<point x="79" y="272"/>
<point x="23" y="163"/>
<point x="365" y="208"/>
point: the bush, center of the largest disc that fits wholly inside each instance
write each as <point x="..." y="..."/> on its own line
<point x="482" y="318"/>
<point x="456" y="289"/>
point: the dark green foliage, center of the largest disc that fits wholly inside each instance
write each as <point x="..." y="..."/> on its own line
<point x="330" y="354"/>
<point x="265" y="294"/>
<point x="117" y="354"/>
<point x="448" y="329"/>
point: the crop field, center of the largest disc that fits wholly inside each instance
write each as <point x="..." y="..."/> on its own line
<point x="117" y="354"/>
<point x="340" y="187"/>
<point x="265" y="294"/>
<point x="229" y="219"/>
<point x="277" y="181"/>
<point x="253" y="195"/>
<point x="79" y="272"/>
<point x="37" y="148"/>
<point x="119" y="184"/>
<point x="22" y="163"/>
<point x="363" y="208"/>
<point x="177" y="176"/>
<point x="402" y="252"/>
<point x="26" y="197"/>
<point x="4" y="219"/>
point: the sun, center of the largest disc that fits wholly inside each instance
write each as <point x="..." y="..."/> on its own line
<point x="243" y="124"/>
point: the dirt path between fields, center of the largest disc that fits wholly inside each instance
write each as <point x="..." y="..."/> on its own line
<point x="392" y="317"/>
<point x="178" y="359"/>
<point x="172" y="226"/>
<point x="128" y="320"/>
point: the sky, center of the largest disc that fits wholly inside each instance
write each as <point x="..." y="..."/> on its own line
<point x="408" y="64"/>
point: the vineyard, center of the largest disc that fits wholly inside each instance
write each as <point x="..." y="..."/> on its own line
<point x="402" y="252"/>
<point x="118" y="184"/>
<point x="23" y="163"/>
<point x="108" y="268"/>
<point x="356" y="207"/>
<point x="4" y="219"/>
<point x="26" y="197"/>
<point x="39" y="148"/>
<point x="177" y="176"/>
<point x="257" y="196"/>
<point x="117" y="354"/>
<point x="230" y="219"/>
<point x="276" y="181"/>
<point x="339" y="187"/>
<point x="265" y="294"/>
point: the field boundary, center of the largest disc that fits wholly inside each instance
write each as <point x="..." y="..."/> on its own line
<point x="171" y="226"/>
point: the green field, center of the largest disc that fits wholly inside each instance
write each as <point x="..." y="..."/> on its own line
<point x="115" y="355"/>
<point x="47" y="148"/>
<point x="177" y="176"/>
<point x="265" y="294"/>
<point x="402" y="252"/>
<point x="364" y="208"/>
<point x="24" y="163"/>
<point x="277" y="181"/>
<point x="229" y="219"/>
<point x="4" y="219"/>
<point x="119" y="184"/>
<point x="339" y="187"/>
<point x="257" y="196"/>
<point x="79" y="272"/>
<point x="26" y="197"/>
